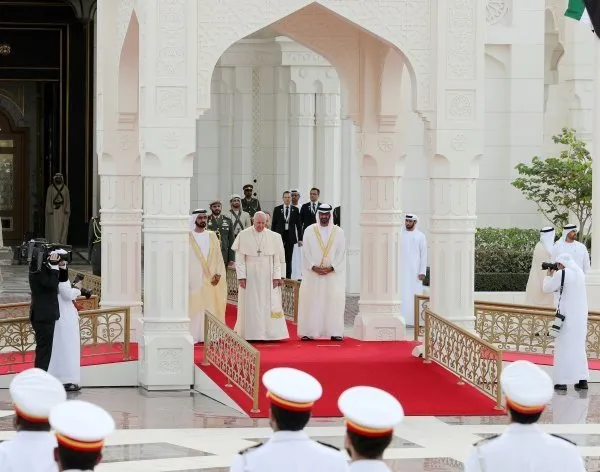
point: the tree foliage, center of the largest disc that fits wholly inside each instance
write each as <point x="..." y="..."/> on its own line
<point x="561" y="187"/>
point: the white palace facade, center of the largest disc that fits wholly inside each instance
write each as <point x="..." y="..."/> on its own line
<point x="389" y="106"/>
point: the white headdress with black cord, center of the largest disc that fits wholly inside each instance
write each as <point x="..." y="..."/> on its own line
<point x="194" y="215"/>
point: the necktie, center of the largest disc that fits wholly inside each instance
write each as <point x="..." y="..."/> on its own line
<point x="313" y="208"/>
<point x="286" y="212"/>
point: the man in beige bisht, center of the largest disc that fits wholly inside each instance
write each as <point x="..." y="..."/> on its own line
<point x="260" y="266"/>
<point x="542" y="253"/>
<point x="208" y="285"/>
<point x="58" y="211"/>
<point x="322" y="299"/>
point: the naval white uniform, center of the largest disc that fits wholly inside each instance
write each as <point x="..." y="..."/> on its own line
<point x="31" y="451"/>
<point x="290" y="451"/>
<point x="368" y="466"/>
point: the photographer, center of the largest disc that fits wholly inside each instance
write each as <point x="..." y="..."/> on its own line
<point x="65" y="363"/>
<point x="570" y="358"/>
<point x="43" y="282"/>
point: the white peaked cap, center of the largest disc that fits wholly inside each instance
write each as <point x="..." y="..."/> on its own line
<point x="527" y="388"/>
<point x="81" y="426"/>
<point x="325" y="208"/>
<point x="34" y="393"/>
<point x="292" y="389"/>
<point x="370" y="411"/>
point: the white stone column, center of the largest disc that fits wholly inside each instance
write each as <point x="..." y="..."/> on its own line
<point x="593" y="276"/>
<point x="281" y="129"/>
<point x="169" y="94"/>
<point x="226" y="116"/>
<point x="454" y="133"/>
<point x="302" y="140"/>
<point x="242" y="129"/>
<point x="328" y="158"/>
<point x="351" y="198"/>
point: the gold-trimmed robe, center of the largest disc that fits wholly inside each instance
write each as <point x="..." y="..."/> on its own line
<point x="203" y="295"/>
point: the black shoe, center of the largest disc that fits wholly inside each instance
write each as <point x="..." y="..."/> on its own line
<point x="305" y="338"/>
<point x="337" y="338"/>
<point x="72" y="387"/>
<point x="560" y="387"/>
<point x="582" y="385"/>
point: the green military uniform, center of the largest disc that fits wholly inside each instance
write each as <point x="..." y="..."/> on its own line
<point x="95" y="246"/>
<point x="251" y="206"/>
<point x="223" y="226"/>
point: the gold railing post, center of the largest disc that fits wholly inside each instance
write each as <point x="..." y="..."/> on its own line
<point x="256" y="389"/>
<point x="427" y="338"/>
<point x="127" y="334"/>
<point x="417" y="314"/>
<point x="499" y="368"/>
<point x="207" y="340"/>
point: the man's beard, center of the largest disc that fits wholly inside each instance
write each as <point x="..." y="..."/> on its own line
<point x="202" y="224"/>
<point x="216" y="212"/>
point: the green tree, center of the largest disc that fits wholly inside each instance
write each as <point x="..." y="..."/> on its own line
<point x="561" y="187"/>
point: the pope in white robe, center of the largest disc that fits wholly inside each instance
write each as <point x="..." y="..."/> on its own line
<point x="207" y="278"/>
<point x="413" y="267"/>
<point x="322" y="299"/>
<point x="260" y="266"/>
<point x="568" y="245"/>
<point x="65" y="361"/>
<point x="570" y="358"/>
<point x="534" y="295"/>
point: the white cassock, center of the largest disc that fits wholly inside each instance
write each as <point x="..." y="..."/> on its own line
<point x="412" y="263"/>
<point x="260" y="259"/>
<point x="297" y="255"/>
<point x="31" y="451"/>
<point x="322" y="299"/>
<point x="570" y="358"/>
<point x="66" y="348"/>
<point x="533" y="293"/>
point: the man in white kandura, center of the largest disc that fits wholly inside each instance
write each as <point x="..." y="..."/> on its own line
<point x="413" y="266"/>
<point x="34" y="393"/>
<point x="292" y="394"/>
<point x="567" y="244"/>
<point x="534" y="295"/>
<point x="371" y="415"/>
<point x="260" y="266"/>
<point x="570" y="358"/>
<point x="65" y="361"/>
<point x="208" y="286"/>
<point x="524" y="446"/>
<point x="322" y="299"/>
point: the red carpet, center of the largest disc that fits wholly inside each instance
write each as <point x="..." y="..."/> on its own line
<point x="541" y="359"/>
<point x="423" y="389"/>
<point x="15" y="362"/>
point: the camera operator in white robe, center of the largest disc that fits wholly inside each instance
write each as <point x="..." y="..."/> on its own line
<point x="534" y="295"/>
<point x="413" y="267"/>
<point x="260" y="266"/>
<point x="65" y="361"/>
<point x="570" y="358"/>
<point x="567" y="244"/>
<point x="322" y="298"/>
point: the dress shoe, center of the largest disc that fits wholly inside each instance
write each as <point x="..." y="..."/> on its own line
<point x="72" y="387"/>
<point x="305" y="338"/>
<point x="337" y="338"/>
<point x="582" y="385"/>
<point x="560" y="387"/>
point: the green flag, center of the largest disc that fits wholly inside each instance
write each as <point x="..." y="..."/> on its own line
<point x="578" y="11"/>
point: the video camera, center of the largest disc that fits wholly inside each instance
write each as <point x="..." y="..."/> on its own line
<point x="84" y="291"/>
<point x="550" y="266"/>
<point x="38" y="252"/>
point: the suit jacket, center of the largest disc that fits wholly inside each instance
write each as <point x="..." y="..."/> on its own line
<point x="295" y="224"/>
<point x="337" y="216"/>
<point x="307" y="216"/>
<point x="44" y="293"/>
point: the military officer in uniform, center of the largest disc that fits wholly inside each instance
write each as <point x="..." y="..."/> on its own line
<point x="34" y="393"/>
<point x="292" y="394"/>
<point x="371" y="415"/>
<point x="95" y="246"/>
<point x="80" y="429"/>
<point x="250" y="204"/>
<point x="524" y="446"/>
<point x="223" y="226"/>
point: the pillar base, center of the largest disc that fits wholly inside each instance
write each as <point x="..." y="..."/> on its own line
<point x="379" y="327"/>
<point x="166" y="355"/>
<point x="592" y="283"/>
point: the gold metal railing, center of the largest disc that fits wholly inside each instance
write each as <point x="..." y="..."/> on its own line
<point x="92" y="282"/>
<point x="290" y="293"/>
<point x="233" y="356"/>
<point x="471" y="359"/>
<point x="421" y="303"/>
<point x="21" y="309"/>
<point x="102" y="332"/>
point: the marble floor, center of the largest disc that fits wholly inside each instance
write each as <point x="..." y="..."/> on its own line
<point x="189" y="432"/>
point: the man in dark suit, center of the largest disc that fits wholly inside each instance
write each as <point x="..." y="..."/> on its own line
<point x="286" y="222"/>
<point x="308" y="211"/>
<point x="337" y="216"/>
<point x="44" y="311"/>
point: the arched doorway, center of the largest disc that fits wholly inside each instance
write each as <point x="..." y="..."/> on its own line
<point x="14" y="200"/>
